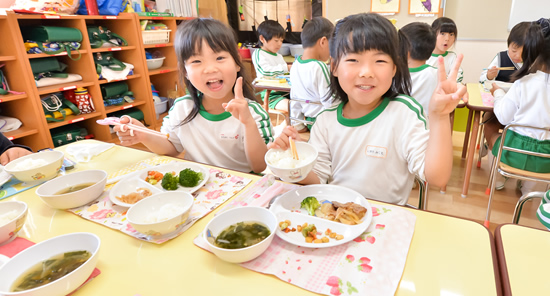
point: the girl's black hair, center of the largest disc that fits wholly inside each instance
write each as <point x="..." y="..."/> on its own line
<point x="369" y="31"/>
<point x="219" y="37"/>
<point x="445" y="25"/>
<point x="536" y="50"/>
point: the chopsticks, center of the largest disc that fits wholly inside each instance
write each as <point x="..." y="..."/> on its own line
<point x="131" y="127"/>
<point x="502" y="68"/>
<point x="293" y="149"/>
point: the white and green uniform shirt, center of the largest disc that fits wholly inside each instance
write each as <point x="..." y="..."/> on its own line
<point x="423" y="81"/>
<point x="526" y="103"/>
<point x="376" y="155"/>
<point x="213" y="139"/>
<point x="310" y="80"/>
<point x="268" y="64"/>
<point x="449" y="58"/>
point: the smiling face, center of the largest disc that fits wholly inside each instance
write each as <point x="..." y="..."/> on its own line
<point x="212" y="73"/>
<point x="365" y="77"/>
<point x="444" y="41"/>
<point x="273" y="45"/>
<point x="515" y="52"/>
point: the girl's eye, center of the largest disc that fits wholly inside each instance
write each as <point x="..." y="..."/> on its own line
<point x="381" y="61"/>
<point x="350" y="60"/>
<point x="452" y="34"/>
<point x="220" y="58"/>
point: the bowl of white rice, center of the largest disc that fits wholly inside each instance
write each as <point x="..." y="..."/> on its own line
<point x="161" y="214"/>
<point x="12" y="217"/>
<point x="36" y="167"/>
<point x="283" y="165"/>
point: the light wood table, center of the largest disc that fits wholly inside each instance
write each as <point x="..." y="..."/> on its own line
<point x="447" y="256"/>
<point x="522" y="255"/>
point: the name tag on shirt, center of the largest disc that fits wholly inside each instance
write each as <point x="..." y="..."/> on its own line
<point x="375" y="151"/>
<point x="224" y="136"/>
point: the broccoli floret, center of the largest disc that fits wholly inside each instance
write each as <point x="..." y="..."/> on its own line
<point x="311" y="204"/>
<point x="190" y="178"/>
<point x="169" y="182"/>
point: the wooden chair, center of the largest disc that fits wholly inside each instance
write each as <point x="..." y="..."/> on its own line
<point x="511" y="172"/>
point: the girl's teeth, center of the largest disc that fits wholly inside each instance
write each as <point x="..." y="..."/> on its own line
<point x="365" y="87"/>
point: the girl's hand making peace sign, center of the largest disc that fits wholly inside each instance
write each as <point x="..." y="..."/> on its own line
<point x="448" y="92"/>
<point x="238" y="107"/>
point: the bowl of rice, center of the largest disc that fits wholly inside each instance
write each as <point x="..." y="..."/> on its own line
<point x="12" y="217"/>
<point x="283" y="165"/>
<point x="36" y="167"/>
<point x="161" y="214"/>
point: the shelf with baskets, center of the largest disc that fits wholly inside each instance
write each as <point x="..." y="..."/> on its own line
<point x="165" y="75"/>
<point x="22" y="105"/>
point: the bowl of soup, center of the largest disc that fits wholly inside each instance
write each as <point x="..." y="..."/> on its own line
<point x="161" y="214"/>
<point x="54" y="267"/>
<point x="240" y="234"/>
<point x="36" y="167"/>
<point x="283" y="165"/>
<point x="73" y="190"/>
<point x="12" y="218"/>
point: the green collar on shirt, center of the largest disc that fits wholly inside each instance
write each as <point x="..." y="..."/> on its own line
<point x="271" y="53"/>
<point x="361" y="120"/>
<point x="213" y="117"/>
<point x="443" y="55"/>
<point x="305" y="61"/>
<point x="418" y="69"/>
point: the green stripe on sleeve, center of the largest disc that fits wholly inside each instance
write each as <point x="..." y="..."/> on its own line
<point x="414" y="106"/>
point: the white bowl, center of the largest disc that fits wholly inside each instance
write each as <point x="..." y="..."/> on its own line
<point x="48" y="191"/>
<point x="9" y="231"/>
<point x="20" y="263"/>
<point x="307" y="155"/>
<point x="236" y="215"/>
<point x="141" y="214"/>
<point x="155" y="63"/>
<point x="53" y="159"/>
<point x="296" y="50"/>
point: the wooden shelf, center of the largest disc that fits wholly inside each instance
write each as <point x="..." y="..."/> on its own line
<point x="74" y="53"/>
<point x="111" y="109"/>
<point x="7" y="58"/>
<point x="8" y="98"/>
<point x="73" y="119"/>
<point x="63" y="87"/>
<point x="116" y="48"/>
<point x="162" y="70"/>
<point x="147" y="46"/>
<point x="21" y="132"/>
<point x="103" y="81"/>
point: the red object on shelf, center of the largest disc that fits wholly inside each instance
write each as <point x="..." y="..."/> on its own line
<point x="91" y="7"/>
<point x="245" y="53"/>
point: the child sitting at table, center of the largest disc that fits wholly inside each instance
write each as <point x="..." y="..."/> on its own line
<point x="423" y="76"/>
<point x="270" y="64"/>
<point x="446" y="32"/>
<point x="510" y="58"/>
<point x="377" y="139"/>
<point x="309" y="75"/>
<point x="526" y="103"/>
<point x="219" y="122"/>
<point x="10" y="151"/>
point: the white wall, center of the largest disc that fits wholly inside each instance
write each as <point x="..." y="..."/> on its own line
<point x="477" y="55"/>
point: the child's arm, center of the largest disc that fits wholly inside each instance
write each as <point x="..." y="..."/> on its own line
<point x="439" y="153"/>
<point x="492" y="73"/>
<point x="267" y="67"/>
<point x="156" y="144"/>
<point x="506" y="103"/>
<point x="254" y="144"/>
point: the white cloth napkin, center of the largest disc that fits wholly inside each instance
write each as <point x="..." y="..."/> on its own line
<point x="85" y="152"/>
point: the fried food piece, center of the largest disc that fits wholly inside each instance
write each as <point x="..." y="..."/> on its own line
<point x="349" y="213"/>
<point x="134" y="197"/>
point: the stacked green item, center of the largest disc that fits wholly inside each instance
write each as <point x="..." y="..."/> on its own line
<point x="116" y="93"/>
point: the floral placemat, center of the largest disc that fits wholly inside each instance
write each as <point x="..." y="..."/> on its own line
<point x="371" y="264"/>
<point x="487" y="99"/>
<point x="220" y="187"/>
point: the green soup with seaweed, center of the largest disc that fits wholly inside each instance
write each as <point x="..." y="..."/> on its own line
<point x="242" y="235"/>
<point x="50" y="270"/>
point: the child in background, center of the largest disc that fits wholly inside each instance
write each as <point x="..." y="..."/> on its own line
<point x="423" y="76"/>
<point x="309" y="75"/>
<point x="219" y="122"/>
<point x="270" y="64"/>
<point x="377" y="139"/>
<point x="446" y="33"/>
<point x="526" y="103"/>
<point x="508" y="58"/>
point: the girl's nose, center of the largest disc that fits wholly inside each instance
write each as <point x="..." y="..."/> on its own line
<point x="365" y="71"/>
<point x="210" y="68"/>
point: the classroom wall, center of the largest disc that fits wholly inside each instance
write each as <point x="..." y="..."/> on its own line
<point x="482" y="26"/>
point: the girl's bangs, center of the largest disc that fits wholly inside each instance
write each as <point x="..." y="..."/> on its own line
<point x="448" y="28"/>
<point x="363" y="39"/>
<point x="192" y="43"/>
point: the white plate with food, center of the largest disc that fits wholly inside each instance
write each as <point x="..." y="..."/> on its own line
<point x="197" y="175"/>
<point x="345" y="213"/>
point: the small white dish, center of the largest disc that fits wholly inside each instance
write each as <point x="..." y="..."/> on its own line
<point x="127" y="186"/>
<point x="287" y="207"/>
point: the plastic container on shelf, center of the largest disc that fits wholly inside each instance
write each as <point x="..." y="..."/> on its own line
<point x="161" y="107"/>
<point x="156" y="36"/>
<point x="155" y="63"/>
